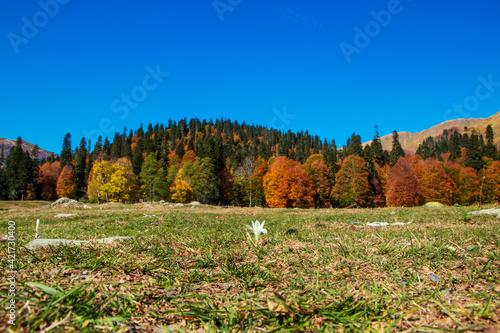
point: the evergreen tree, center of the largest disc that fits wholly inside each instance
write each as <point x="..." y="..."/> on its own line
<point x="66" y="152"/>
<point x="473" y="156"/>
<point x="490" y="150"/>
<point x="205" y="183"/>
<point x="147" y="176"/>
<point x="397" y="151"/>
<point x="137" y="158"/>
<point x="80" y="169"/>
<point x="116" y="147"/>
<point x="179" y="150"/>
<point x="455" y="146"/>
<point x="18" y="171"/>
<point x="378" y="149"/>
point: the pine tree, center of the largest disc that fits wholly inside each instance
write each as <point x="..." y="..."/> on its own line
<point x="18" y="171"/>
<point x="80" y="169"/>
<point x="137" y="158"/>
<point x="66" y="153"/>
<point x="473" y="156"/>
<point x="455" y="146"/>
<point x="377" y="149"/>
<point x="490" y="150"/>
<point x="397" y="151"/>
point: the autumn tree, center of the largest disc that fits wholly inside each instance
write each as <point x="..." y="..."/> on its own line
<point x="181" y="191"/>
<point x="47" y="180"/>
<point x="403" y="188"/>
<point x="492" y="183"/>
<point x="318" y="172"/>
<point x="112" y="181"/>
<point x="66" y="186"/>
<point x="436" y="185"/>
<point x="469" y="185"/>
<point x="351" y="183"/>
<point x="286" y="184"/>
<point x="260" y="169"/>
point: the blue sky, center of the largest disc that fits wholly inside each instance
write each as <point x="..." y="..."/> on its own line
<point x="329" y="67"/>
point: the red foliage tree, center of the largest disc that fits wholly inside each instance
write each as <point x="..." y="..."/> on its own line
<point x="402" y="186"/>
<point x="47" y="180"/>
<point x="66" y="186"/>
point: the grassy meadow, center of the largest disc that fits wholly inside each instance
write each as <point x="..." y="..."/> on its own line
<point x="199" y="269"/>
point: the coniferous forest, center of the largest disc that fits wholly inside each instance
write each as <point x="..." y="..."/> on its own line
<point x="224" y="162"/>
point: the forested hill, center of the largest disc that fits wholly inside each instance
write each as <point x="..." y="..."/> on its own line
<point x="225" y="162"/>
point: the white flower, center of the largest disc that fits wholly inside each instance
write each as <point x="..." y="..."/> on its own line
<point x="257" y="228"/>
<point x="36" y="229"/>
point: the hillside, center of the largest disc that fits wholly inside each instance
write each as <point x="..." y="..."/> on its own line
<point x="411" y="141"/>
<point x="7" y="144"/>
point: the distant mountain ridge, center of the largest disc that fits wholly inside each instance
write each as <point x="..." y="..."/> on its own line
<point x="7" y="144"/>
<point x="410" y="141"/>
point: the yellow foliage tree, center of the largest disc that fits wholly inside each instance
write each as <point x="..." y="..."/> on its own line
<point x="181" y="191"/>
<point x="112" y="181"/>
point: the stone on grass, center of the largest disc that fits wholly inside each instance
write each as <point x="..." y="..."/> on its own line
<point x="492" y="211"/>
<point x="194" y="203"/>
<point x="434" y="204"/>
<point x="64" y="215"/>
<point x="44" y="242"/>
<point x="66" y="202"/>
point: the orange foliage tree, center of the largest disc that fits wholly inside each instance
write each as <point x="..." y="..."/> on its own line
<point x="318" y="172"/>
<point x="468" y="184"/>
<point x="47" y="180"/>
<point x="436" y="185"/>
<point x="492" y="183"/>
<point x="260" y="169"/>
<point x="402" y="186"/>
<point x="66" y="186"/>
<point x="383" y="176"/>
<point x="352" y="186"/>
<point x="287" y="185"/>
<point x="190" y="155"/>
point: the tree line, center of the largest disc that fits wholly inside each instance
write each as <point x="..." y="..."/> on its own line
<point x="227" y="163"/>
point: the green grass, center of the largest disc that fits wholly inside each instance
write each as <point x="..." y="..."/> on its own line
<point x="187" y="269"/>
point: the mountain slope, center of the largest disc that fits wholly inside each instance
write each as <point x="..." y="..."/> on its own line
<point x="7" y="144"/>
<point x="411" y="141"/>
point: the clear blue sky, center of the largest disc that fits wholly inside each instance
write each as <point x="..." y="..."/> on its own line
<point x="289" y="64"/>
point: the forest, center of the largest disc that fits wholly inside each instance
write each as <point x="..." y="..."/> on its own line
<point x="223" y="162"/>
